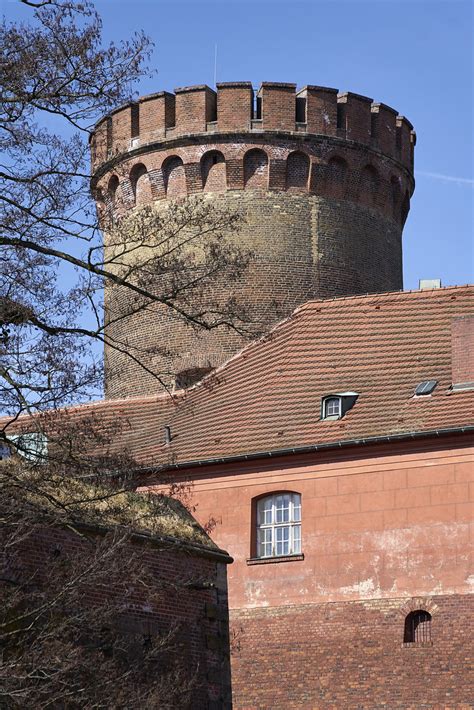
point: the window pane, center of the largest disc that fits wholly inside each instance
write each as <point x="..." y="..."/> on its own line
<point x="296" y="539"/>
<point x="282" y="509"/>
<point x="265" y="511"/>
<point x="332" y="407"/>
<point x="296" y="508"/>
<point x="265" y="542"/>
<point x="282" y="540"/>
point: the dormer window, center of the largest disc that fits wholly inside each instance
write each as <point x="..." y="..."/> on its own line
<point x="334" y="406"/>
<point x="32" y="446"/>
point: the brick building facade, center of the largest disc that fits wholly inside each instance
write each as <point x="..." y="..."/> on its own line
<point x="365" y="599"/>
<point x="334" y="454"/>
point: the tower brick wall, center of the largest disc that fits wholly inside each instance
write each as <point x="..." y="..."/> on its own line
<point x="322" y="179"/>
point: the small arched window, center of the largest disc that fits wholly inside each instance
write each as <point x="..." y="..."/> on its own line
<point x="213" y="171"/>
<point x="417" y="627"/>
<point x="334" y="406"/>
<point x="173" y="177"/>
<point x="279" y="525"/>
<point x="256" y="169"/>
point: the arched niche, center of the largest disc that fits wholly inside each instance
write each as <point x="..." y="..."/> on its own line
<point x="140" y="183"/>
<point x="256" y="169"/>
<point x="174" y="178"/>
<point x="336" y="177"/>
<point x="297" y="171"/>
<point x="213" y="172"/>
<point x="370" y="182"/>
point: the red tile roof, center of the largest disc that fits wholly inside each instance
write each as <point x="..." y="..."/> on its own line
<point x="268" y="396"/>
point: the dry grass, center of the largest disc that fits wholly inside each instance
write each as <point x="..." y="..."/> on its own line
<point x="63" y="499"/>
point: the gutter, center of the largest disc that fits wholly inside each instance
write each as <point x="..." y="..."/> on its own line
<point x="273" y="453"/>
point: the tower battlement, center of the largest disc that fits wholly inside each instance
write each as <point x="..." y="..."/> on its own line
<point x="235" y="107"/>
<point x="322" y="179"/>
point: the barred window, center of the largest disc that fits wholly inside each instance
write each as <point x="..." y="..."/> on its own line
<point x="417" y="627"/>
<point x="279" y="525"/>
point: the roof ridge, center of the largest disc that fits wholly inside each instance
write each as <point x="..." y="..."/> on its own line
<point x="95" y="404"/>
<point x="125" y="400"/>
<point x="400" y="293"/>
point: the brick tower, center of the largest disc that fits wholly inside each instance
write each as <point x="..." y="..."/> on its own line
<point x="324" y="180"/>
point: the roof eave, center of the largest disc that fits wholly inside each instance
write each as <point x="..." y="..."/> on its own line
<point x="273" y="453"/>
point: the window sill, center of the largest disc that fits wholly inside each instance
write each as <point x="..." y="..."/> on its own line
<point x="417" y="644"/>
<point x="273" y="560"/>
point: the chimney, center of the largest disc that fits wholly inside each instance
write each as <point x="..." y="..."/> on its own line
<point x="462" y="353"/>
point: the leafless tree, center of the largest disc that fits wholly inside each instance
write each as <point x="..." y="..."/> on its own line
<point x="71" y="577"/>
<point x="56" y="80"/>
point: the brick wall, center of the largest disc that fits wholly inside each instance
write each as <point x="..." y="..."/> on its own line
<point x="303" y="247"/>
<point x="351" y="655"/>
<point x="313" y="109"/>
<point x="385" y="530"/>
<point x="189" y="599"/>
<point x="323" y="180"/>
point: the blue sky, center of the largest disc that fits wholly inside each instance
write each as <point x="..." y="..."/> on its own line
<point x="415" y="55"/>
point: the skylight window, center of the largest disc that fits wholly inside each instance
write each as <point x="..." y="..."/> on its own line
<point x="425" y="387"/>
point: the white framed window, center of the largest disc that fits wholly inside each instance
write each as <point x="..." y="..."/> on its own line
<point x="336" y="404"/>
<point x="279" y="525"/>
<point x="332" y="408"/>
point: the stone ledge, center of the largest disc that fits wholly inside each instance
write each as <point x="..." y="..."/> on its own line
<point x="273" y="560"/>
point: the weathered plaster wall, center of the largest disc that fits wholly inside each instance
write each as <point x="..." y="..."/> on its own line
<point x="381" y="526"/>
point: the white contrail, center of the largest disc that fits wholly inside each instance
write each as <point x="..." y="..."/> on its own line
<point x="446" y="178"/>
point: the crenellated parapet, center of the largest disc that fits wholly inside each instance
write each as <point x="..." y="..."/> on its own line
<point x="322" y="179"/>
<point x="235" y="107"/>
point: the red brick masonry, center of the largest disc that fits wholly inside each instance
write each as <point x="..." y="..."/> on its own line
<point x="323" y="181"/>
<point x="342" y="656"/>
